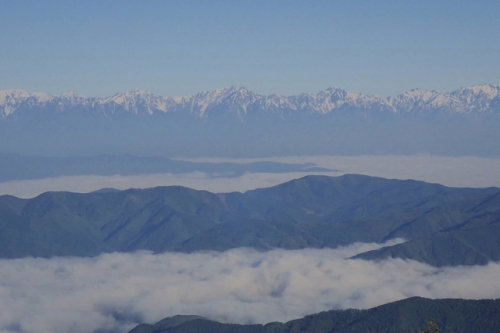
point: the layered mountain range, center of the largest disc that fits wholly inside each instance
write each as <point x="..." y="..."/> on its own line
<point x="235" y="122"/>
<point x="241" y="101"/>
<point x="441" y="226"/>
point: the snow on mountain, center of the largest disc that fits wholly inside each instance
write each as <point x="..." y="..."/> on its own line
<point x="12" y="100"/>
<point x="137" y="101"/>
<point x="12" y="95"/>
<point x="335" y="98"/>
<point x="478" y="97"/>
<point x="464" y="100"/>
<point x="241" y="101"/>
<point x="414" y="99"/>
<point x="236" y="99"/>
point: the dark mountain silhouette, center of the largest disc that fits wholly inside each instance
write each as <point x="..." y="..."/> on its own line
<point x="409" y="315"/>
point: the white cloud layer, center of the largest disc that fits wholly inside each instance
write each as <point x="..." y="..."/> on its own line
<point x="112" y="292"/>
<point x="466" y="171"/>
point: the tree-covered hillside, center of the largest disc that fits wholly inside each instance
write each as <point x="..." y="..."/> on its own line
<point x="444" y="226"/>
<point x="409" y="315"/>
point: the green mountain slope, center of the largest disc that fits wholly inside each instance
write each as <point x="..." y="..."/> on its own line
<point x="445" y="226"/>
<point x="166" y="323"/>
<point x="268" y="235"/>
<point x="409" y="315"/>
<point x="61" y="223"/>
<point x="462" y="247"/>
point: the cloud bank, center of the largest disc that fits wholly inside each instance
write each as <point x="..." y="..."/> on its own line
<point x="113" y="292"/>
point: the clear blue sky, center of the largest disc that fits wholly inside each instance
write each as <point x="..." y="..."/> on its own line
<point x="175" y="48"/>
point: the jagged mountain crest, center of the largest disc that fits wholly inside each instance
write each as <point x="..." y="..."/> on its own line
<point x="241" y="101"/>
<point x="136" y="101"/>
<point x="234" y="98"/>
<point x="479" y="98"/>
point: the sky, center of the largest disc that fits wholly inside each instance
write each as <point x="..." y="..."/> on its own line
<point x="181" y="47"/>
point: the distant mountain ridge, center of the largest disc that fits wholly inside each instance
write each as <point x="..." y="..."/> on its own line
<point x="241" y="101"/>
<point x="17" y="167"/>
<point x="236" y="122"/>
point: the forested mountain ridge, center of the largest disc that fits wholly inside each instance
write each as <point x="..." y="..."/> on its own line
<point x="314" y="211"/>
<point x="18" y="167"/>
<point x="409" y="315"/>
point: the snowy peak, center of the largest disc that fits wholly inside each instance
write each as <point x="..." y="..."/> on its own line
<point x="477" y="97"/>
<point x="416" y="99"/>
<point x="69" y="98"/>
<point x="465" y="100"/>
<point x="11" y="100"/>
<point x="11" y="95"/>
<point x="136" y="101"/>
<point x="334" y="98"/>
<point x="236" y="100"/>
<point x="481" y="91"/>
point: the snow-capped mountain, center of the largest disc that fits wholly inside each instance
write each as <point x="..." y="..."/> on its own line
<point x="237" y="122"/>
<point x="12" y="100"/>
<point x="482" y="98"/>
<point x="241" y="101"/>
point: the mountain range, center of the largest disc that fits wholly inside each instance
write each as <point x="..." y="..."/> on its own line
<point x="242" y="102"/>
<point x="235" y="122"/>
<point x="409" y="315"/>
<point x="442" y="225"/>
<point x="17" y="167"/>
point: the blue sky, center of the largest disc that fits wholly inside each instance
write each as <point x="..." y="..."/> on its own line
<point x="174" y="48"/>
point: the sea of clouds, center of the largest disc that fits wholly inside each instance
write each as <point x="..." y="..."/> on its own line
<point x="113" y="292"/>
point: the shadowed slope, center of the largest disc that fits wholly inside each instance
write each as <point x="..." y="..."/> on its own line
<point x="409" y="315"/>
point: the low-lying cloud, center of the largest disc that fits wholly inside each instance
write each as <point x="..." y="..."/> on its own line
<point x="113" y="292"/>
